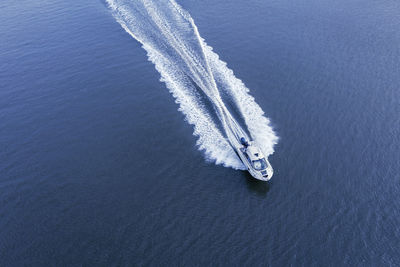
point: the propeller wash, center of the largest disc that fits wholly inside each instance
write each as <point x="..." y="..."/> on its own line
<point x="198" y="80"/>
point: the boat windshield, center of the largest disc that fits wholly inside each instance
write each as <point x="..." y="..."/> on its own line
<point x="259" y="164"/>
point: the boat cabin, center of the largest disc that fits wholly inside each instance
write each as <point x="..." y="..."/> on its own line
<point x="255" y="157"/>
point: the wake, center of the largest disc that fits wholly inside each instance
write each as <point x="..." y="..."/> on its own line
<point x="191" y="70"/>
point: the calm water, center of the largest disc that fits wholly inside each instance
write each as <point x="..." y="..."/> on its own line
<point x="98" y="166"/>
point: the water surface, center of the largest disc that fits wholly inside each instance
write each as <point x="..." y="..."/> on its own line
<point x="98" y="166"/>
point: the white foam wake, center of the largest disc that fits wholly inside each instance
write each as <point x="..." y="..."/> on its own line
<point x="190" y="69"/>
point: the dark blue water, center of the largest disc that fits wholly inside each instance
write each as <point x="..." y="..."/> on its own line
<point x="98" y="166"/>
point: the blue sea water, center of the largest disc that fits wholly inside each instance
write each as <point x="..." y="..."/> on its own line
<point x="98" y="166"/>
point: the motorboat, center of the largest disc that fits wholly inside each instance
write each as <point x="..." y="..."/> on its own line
<point x="248" y="151"/>
<point x="254" y="160"/>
